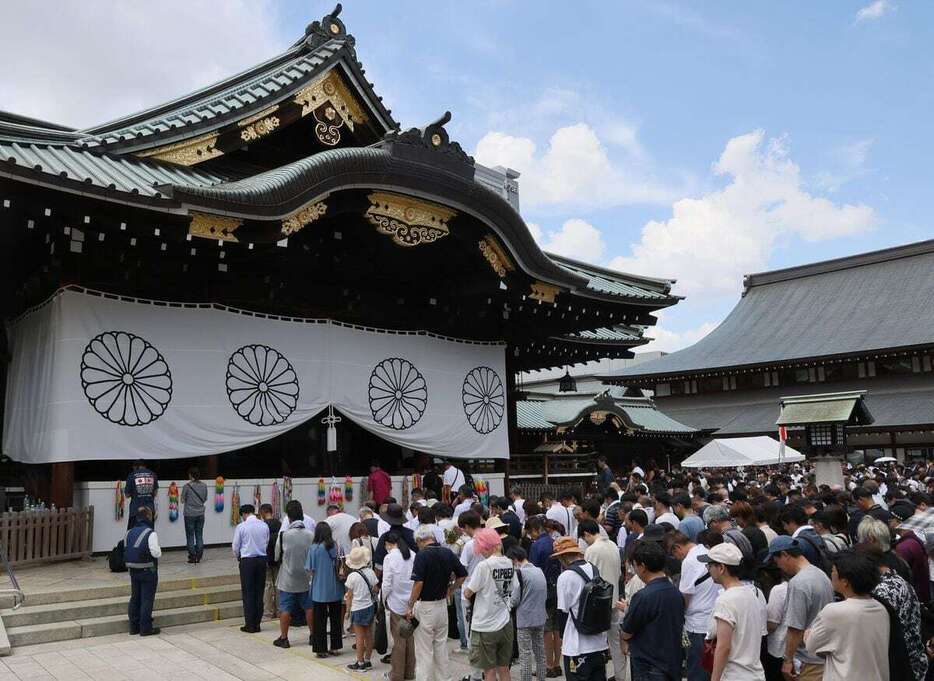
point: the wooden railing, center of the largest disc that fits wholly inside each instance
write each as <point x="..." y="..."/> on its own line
<point x="31" y="537"/>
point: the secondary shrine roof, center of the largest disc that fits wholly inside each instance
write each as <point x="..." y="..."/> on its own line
<point x="863" y="303"/>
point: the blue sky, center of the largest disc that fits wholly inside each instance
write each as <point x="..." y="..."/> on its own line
<point x="697" y="141"/>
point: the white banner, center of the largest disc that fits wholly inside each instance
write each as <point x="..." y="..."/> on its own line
<point x="97" y="377"/>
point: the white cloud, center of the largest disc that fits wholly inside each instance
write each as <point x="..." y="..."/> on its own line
<point x="875" y="10"/>
<point x="850" y="160"/>
<point x="710" y="242"/>
<point x="666" y="340"/>
<point x="83" y="63"/>
<point x="576" y="239"/>
<point x="575" y="169"/>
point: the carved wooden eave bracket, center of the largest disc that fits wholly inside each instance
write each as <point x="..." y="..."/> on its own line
<point x="332" y="105"/>
<point x="543" y="292"/>
<point x="187" y="153"/>
<point x="496" y="256"/>
<point x="305" y="216"/>
<point x="409" y="221"/>
<point x="217" y="227"/>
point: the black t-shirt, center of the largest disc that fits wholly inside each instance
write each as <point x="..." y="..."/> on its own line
<point x="434" y="566"/>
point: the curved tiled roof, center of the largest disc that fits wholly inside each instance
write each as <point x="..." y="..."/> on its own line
<point x="861" y="304"/>
<point x="605" y="282"/>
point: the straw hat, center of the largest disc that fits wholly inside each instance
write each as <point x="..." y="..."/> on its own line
<point x="493" y="523"/>
<point x="359" y="557"/>
<point x="566" y="545"/>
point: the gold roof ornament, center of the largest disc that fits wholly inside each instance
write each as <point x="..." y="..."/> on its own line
<point x="186" y="153"/>
<point x="544" y="292"/>
<point x="496" y="256"/>
<point x="217" y="227"/>
<point x="409" y="221"/>
<point x="332" y="106"/>
<point x="306" y="215"/>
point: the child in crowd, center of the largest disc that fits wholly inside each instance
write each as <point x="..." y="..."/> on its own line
<point x="360" y="604"/>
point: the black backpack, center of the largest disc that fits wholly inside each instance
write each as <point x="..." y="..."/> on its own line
<point x="595" y="607"/>
<point x="823" y="557"/>
<point x="116" y="559"/>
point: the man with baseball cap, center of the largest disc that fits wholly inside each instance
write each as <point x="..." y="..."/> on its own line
<point x="809" y="590"/>
<point x="584" y="654"/>
<point x="739" y="617"/>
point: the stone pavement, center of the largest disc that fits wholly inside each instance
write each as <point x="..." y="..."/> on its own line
<point x="216" y="651"/>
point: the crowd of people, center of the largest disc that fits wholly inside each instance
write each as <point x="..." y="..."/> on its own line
<point x="723" y="575"/>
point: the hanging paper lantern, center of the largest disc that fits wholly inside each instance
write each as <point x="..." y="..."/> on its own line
<point x="173" y="502"/>
<point x="219" y="494"/>
<point x="348" y="489"/>
<point x="235" y="506"/>
<point x="322" y="492"/>
<point x="119" y="500"/>
<point x="286" y="491"/>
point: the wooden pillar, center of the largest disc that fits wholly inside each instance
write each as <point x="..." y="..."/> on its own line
<point x="208" y="466"/>
<point x="62" y="489"/>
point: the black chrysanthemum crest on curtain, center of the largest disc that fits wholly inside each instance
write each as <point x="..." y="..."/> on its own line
<point x="125" y="379"/>
<point x="398" y="393"/>
<point x="484" y="399"/>
<point x="262" y="385"/>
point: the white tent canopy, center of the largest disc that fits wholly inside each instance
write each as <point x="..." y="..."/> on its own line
<point x="741" y="451"/>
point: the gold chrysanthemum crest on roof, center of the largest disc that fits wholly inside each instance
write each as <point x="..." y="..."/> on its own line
<point x="409" y="221"/>
<point x="332" y="105"/>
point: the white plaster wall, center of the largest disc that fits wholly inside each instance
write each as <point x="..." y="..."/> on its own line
<point x="217" y="529"/>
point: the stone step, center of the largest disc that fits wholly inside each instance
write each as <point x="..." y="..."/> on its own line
<point x="102" y="607"/>
<point x="91" y="593"/>
<point x="117" y="624"/>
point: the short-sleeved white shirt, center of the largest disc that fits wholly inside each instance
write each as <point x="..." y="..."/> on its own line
<point x="703" y="596"/>
<point x="744" y="608"/>
<point x="362" y="595"/>
<point x="570" y="585"/>
<point x="493" y="581"/>
<point x="453" y="477"/>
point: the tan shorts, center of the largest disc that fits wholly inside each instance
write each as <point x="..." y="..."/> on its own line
<point x="489" y="649"/>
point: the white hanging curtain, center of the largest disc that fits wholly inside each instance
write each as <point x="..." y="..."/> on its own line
<point x="95" y="376"/>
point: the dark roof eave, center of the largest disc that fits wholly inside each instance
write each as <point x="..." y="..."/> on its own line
<point x="661" y="285"/>
<point x="278" y="193"/>
<point x="613" y="379"/>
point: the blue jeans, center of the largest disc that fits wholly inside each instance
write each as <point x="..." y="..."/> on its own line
<point x="143" y="582"/>
<point x="643" y="671"/>
<point x="461" y="625"/>
<point x="695" y="671"/>
<point x="194" y="536"/>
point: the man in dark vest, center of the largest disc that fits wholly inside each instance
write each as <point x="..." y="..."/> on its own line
<point x="140" y="490"/>
<point x="141" y="552"/>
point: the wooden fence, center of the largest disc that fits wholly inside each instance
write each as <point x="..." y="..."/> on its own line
<point x="32" y="537"/>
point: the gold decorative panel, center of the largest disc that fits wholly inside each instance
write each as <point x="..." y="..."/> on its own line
<point x="259" y="125"/>
<point x="496" y="256"/>
<point x="333" y="107"/>
<point x="300" y="218"/>
<point x="186" y="153"/>
<point x="217" y="227"/>
<point x="543" y="292"/>
<point x="409" y="221"/>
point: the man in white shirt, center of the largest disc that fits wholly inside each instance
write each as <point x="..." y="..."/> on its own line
<point x="452" y="480"/>
<point x="340" y="523"/>
<point x="563" y="512"/>
<point x="700" y="593"/>
<point x="663" y="512"/>
<point x="518" y="503"/>
<point x="604" y="555"/>
<point x="583" y="653"/>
